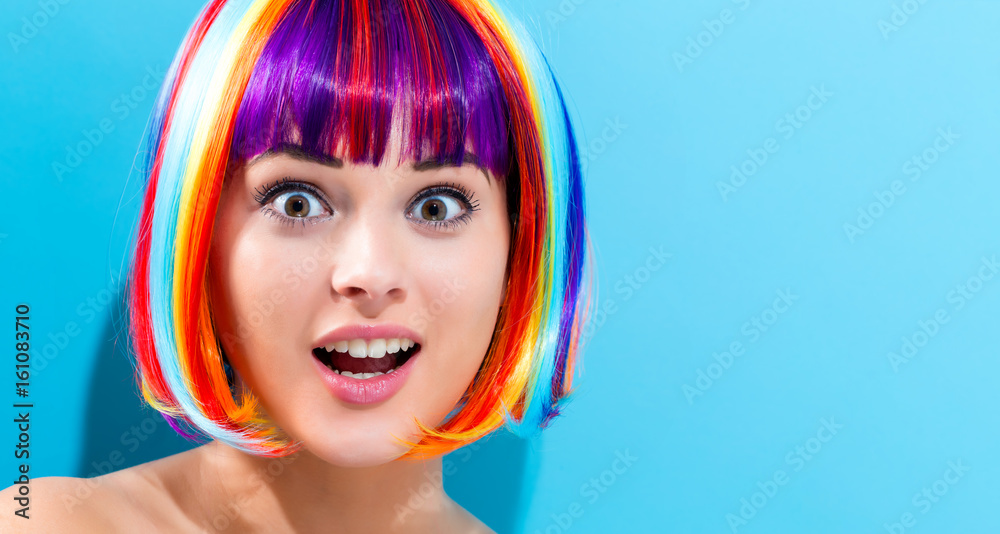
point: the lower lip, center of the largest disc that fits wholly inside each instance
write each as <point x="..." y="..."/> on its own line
<point x="365" y="390"/>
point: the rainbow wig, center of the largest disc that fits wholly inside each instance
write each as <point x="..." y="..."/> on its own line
<point x="329" y="75"/>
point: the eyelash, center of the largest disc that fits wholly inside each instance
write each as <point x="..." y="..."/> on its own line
<point x="265" y="194"/>
<point x="456" y="191"/>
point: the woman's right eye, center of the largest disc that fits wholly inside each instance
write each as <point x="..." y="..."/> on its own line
<point x="291" y="201"/>
<point x="298" y="205"/>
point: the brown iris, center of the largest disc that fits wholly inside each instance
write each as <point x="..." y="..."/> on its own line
<point x="297" y="206"/>
<point x="434" y="210"/>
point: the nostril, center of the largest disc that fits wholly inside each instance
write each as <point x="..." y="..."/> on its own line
<point x="353" y="292"/>
<point x="369" y="292"/>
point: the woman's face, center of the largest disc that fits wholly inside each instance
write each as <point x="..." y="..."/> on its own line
<point x="352" y="299"/>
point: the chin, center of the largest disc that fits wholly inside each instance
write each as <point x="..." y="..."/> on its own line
<point x="368" y="447"/>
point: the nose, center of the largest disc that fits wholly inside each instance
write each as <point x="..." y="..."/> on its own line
<point x="369" y="267"/>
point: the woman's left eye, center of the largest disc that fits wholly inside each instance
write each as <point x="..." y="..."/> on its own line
<point x="443" y="207"/>
<point x="437" y="208"/>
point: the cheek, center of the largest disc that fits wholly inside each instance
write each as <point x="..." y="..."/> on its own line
<point x="263" y="284"/>
<point x="461" y="303"/>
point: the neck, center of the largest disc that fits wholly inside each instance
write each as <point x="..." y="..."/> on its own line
<point x="303" y="493"/>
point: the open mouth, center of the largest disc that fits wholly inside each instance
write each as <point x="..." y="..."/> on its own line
<point x="360" y="358"/>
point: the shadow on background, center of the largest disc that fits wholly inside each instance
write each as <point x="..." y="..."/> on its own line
<point x="122" y="431"/>
<point x="487" y="477"/>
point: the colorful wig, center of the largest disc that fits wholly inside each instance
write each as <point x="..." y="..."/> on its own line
<point x="329" y="75"/>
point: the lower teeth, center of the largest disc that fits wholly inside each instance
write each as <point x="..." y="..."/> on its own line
<point x="362" y="376"/>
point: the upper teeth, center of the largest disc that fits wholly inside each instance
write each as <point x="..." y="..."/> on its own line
<point x="375" y="348"/>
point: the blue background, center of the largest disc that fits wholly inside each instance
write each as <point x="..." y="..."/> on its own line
<point x="670" y="97"/>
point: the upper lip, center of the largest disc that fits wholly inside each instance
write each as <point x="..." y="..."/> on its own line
<point x="367" y="332"/>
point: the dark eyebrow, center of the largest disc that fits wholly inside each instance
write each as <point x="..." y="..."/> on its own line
<point x="433" y="164"/>
<point x="299" y="153"/>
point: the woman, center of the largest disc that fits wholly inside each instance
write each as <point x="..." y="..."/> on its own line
<point x="362" y="246"/>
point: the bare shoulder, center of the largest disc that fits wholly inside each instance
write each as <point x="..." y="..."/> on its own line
<point x="52" y="503"/>
<point x="137" y="499"/>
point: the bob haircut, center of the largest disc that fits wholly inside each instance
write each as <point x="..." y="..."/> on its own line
<point x="328" y="76"/>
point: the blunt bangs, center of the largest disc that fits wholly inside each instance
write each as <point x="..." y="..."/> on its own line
<point x="335" y="80"/>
